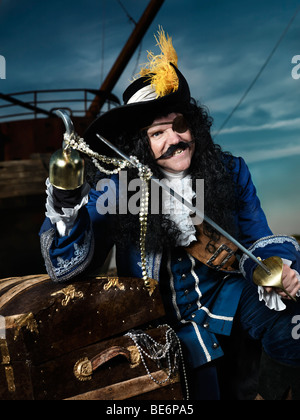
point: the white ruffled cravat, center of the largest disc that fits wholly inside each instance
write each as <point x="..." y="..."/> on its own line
<point x="181" y="183"/>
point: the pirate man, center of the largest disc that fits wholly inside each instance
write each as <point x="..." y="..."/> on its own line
<point x="204" y="287"/>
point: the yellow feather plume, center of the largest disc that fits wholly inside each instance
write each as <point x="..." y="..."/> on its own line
<point x="165" y="79"/>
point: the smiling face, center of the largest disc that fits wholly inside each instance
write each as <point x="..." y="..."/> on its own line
<point x="161" y="136"/>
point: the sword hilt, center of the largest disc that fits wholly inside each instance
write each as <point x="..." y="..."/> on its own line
<point x="275" y="266"/>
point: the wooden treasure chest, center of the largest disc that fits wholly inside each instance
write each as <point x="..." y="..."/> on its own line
<point x="99" y="338"/>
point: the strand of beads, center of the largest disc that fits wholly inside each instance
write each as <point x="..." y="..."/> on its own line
<point x="145" y="175"/>
<point x="184" y="374"/>
<point x="176" y="340"/>
<point x="136" y="337"/>
<point x="161" y="351"/>
<point x="107" y="171"/>
<point x="79" y="144"/>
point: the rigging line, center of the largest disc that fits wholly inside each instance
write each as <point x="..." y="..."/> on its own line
<point x="259" y="73"/>
<point x="127" y="13"/>
<point x="137" y="61"/>
<point x="103" y="40"/>
<point x="140" y="47"/>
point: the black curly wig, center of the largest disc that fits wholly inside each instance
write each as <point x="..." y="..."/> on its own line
<point x="209" y="162"/>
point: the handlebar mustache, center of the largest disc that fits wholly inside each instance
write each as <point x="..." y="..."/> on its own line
<point x="172" y="149"/>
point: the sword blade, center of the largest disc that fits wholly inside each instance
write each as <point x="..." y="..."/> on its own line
<point x="115" y="149"/>
<point x="191" y="207"/>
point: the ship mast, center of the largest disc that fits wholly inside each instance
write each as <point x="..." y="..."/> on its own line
<point x="124" y="57"/>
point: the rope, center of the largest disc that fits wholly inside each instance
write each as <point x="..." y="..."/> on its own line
<point x="259" y="73"/>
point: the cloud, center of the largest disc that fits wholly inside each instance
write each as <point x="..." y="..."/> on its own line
<point x="271" y="154"/>
<point x="290" y="124"/>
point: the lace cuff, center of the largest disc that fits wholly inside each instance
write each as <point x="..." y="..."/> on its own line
<point x="64" y="222"/>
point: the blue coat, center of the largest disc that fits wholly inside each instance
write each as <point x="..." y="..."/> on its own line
<point x="200" y="302"/>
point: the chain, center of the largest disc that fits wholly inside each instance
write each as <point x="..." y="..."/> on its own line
<point x="145" y="176"/>
<point x="157" y="352"/>
<point x="78" y="143"/>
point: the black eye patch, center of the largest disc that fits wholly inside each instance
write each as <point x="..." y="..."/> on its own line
<point x="179" y="124"/>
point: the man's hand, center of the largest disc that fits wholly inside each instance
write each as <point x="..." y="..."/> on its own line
<point x="289" y="281"/>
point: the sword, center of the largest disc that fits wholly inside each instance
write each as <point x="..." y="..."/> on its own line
<point x="189" y="206"/>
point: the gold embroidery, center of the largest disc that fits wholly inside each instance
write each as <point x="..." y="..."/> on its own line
<point x="152" y="286"/>
<point x="113" y="282"/>
<point x="27" y="321"/>
<point x="70" y="294"/>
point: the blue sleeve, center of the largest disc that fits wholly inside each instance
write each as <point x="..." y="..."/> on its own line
<point x="255" y="233"/>
<point x="86" y="246"/>
<point x="252" y="221"/>
<point x="272" y="246"/>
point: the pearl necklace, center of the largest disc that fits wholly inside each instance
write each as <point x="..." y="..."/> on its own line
<point x="157" y="352"/>
<point x="76" y="142"/>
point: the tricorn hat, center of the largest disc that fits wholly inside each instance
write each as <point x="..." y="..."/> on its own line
<point x="160" y="89"/>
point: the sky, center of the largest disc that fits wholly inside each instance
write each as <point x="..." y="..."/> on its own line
<point x="224" y="48"/>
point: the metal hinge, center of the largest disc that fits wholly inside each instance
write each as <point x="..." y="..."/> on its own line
<point x="9" y="372"/>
